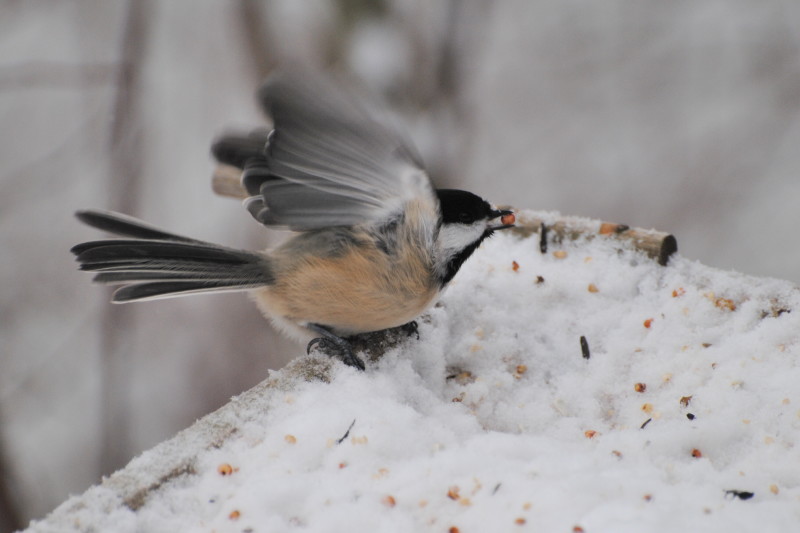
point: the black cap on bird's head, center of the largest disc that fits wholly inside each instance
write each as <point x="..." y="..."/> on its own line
<point x="464" y="207"/>
<point x="467" y="219"/>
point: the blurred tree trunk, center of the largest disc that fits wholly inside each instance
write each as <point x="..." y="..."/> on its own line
<point x="10" y="519"/>
<point x="125" y="151"/>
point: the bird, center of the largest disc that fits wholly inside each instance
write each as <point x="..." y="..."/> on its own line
<point x="374" y="243"/>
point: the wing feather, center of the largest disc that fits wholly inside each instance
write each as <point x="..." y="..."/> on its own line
<point x="331" y="160"/>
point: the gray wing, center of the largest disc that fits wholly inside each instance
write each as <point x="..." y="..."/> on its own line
<point x="330" y="159"/>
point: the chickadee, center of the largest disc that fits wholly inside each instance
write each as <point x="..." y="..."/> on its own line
<point x="375" y="242"/>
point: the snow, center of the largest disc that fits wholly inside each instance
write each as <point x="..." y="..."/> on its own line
<point x="494" y="421"/>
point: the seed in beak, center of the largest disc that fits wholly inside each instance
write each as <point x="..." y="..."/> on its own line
<point x="508" y="220"/>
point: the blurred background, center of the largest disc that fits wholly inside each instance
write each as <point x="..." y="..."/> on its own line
<point x="683" y="116"/>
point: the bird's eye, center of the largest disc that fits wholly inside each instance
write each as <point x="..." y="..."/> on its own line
<point x="464" y="218"/>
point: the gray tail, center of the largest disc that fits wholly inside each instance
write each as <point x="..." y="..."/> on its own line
<point x="152" y="264"/>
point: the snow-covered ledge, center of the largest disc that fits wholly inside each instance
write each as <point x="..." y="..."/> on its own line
<point x="586" y="388"/>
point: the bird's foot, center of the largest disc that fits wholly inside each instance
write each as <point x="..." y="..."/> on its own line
<point x="410" y="328"/>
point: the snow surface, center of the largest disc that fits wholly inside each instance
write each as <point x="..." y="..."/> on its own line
<point x="494" y="420"/>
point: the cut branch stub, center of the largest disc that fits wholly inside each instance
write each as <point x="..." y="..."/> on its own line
<point x="657" y="245"/>
<point x="226" y="181"/>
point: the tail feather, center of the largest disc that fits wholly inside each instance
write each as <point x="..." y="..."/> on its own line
<point x="156" y="264"/>
<point x="125" y="276"/>
<point x="150" y="265"/>
<point x="171" y="289"/>
<point x="120" y="224"/>
<point x="132" y="250"/>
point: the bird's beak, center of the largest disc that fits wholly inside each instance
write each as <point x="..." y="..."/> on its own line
<point x="505" y="220"/>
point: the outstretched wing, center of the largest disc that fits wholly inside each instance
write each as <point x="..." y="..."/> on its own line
<point x="331" y="159"/>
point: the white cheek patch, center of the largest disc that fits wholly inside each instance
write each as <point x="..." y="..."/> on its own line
<point x="455" y="237"/>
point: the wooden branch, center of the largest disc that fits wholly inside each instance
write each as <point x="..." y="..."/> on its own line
<point x="226" y="181"/>
<point x="658" y="245"/>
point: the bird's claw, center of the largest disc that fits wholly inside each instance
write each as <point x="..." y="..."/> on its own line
<point x="411" y="328"/>
<point x="337" y="347"/>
